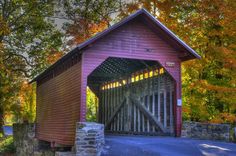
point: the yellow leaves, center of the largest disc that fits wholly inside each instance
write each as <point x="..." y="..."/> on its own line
<point x="4" y="29"/>
<point x="92" y="105"/>
<point x="133" y="7"/>
<point x="27" y="99"/>
<point x="1" y="48"/>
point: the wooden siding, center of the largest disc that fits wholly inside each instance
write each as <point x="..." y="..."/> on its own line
<point x="58" y="105"/>
<point x="132" y="40"/>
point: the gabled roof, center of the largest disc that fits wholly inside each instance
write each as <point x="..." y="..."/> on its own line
<point x="149" y="18"/>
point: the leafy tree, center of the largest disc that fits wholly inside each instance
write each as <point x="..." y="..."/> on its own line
<point x="85" y="18"/>
<point x="29" y="43"/>
<point x="92" y="106"/>
<point x="209" y="83"/>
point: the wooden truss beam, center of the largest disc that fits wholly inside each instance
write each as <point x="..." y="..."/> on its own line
<point x="144" y="110"/>
<point x="115" y="113"/>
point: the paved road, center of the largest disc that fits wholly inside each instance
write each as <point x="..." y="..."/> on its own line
<point x="165" y="146"/>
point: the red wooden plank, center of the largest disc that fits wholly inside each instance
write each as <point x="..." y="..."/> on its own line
<point x="58" y="105"/>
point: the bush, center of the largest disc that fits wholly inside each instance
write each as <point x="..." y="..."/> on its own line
<point x="7" y="145"/>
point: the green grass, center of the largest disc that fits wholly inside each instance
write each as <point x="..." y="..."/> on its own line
<point x="6" y="145"/>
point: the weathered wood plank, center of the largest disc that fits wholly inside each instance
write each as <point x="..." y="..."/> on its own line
<point x="101" y="102"/>
<point x="159" y="99"/>
<point x="147" y="114"/>
<point x="117" y="102"/>
<point x="171" y="112"/>
<point x="148" y="108"/>
<point x="165" y="111"/>
<point x="113" y="107"/>
<point x="105" y="106"/>
<point x="114" y="114"/>
<point x="139" y="121"/>
<point x="122" y="110"/>
<point x="153" y="106"/>
<point x="134" y="117"/>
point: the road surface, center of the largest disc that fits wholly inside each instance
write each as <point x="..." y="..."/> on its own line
<point x="165" y="146"/>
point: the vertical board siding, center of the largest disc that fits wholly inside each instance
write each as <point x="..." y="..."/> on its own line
<point x="58" y="105"/>
<point x="139" y="89"/>
<point x="133" y="40"/>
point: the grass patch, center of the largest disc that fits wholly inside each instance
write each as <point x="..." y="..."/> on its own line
<point x="7" y="145"/>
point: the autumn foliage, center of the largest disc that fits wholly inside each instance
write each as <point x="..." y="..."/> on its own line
<point x="84" y="30"/>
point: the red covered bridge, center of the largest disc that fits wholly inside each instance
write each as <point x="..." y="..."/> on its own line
<point x="133" y="67"/>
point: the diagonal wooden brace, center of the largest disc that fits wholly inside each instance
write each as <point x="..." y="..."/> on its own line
<point x="149" y="115"/>
<point x="115" y="113"/>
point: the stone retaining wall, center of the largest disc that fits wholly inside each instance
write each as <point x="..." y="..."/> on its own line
<point x="206" y="131"/>
<point x="89" y="139"/>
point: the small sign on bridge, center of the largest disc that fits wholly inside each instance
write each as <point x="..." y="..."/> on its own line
<point x="170" y="64"/>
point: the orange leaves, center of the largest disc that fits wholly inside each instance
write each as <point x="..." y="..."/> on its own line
<point x="54" y="56"/>
<point x="217" y="120"/>
<point x="133" y="7"/>
<point x="224" y="118"/>
<point x="84" y="29"/>
<point x="230" y="118"/>
<point x="206" y="85"/>
<point x="229" y="57"/>
<point x="202" y="86"/>
<point x="25" y="86"/>
<point x="186" y="109"/>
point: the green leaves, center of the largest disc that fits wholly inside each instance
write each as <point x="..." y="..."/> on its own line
<point x="32" y="35"/>
<point x="7" y="145"/>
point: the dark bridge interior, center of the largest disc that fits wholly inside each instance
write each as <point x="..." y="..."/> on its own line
<point x="135" y="96"/>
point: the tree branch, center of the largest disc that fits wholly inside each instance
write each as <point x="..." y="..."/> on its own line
<point x="21" y="56"/>
<point x="22" y="71"/>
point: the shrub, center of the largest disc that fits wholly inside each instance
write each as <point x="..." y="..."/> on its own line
<point x="7" y="145"/>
